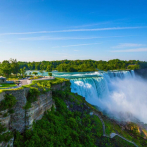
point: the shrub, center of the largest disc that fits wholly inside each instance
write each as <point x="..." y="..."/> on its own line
<point x="5" y="115"/>
<point x="50" y="74"/>
<point x="2" y="128"/>
<point x="11" y="111"/>
<point x="8" y="102"/>
<point x="27" y="106"/>
<point x="32" y="95"/>
<point x="6" y="136"/>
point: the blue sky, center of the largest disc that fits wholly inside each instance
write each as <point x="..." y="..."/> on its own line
<point x="36" y="30"/>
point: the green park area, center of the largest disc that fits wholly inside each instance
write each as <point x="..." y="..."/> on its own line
<point x="7" y="85"/>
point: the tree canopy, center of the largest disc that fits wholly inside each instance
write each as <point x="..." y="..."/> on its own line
<point x="8" y="67"/>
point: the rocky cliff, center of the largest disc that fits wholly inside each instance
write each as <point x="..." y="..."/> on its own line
<point x="22" y="118"/>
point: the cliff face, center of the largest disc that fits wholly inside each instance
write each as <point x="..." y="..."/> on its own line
<point x="23" y="118"/>
<point x="38" y="108"/>
<point x="17" y="121"/>
<point x="141" y="72"/>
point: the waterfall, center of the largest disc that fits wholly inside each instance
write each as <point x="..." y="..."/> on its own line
<point x="90" y="88"/>
<point x="117" y="92"/>
<point x="97" y="87"/>
<point x="113" y="92"/>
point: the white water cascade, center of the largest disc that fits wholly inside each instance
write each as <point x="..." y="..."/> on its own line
<point x="98" y="87"/>
<point x="119" y="92"/>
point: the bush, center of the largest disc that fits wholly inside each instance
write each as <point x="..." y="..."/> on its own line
<point x="11" y="111"/>
<point x="6" y="136"/>
<point x="8" y="102"/>
<point x="2" y="128"/>
<point x="27" y="106"/>
<point x="32" y="95"/>
<point x="50" y="74"/>
<point x="5" y="115"/>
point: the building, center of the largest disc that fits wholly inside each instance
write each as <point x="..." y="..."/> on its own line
<point x="2" y="80"/>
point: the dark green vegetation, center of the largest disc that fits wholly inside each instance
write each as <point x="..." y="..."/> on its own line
<point x="16" y="70"/>
<point x="32" y="96"/>
<point x="69" y="124"/>
<point x="8" y="67"/>
<point x="83" y="65"/>
<point x="8" y="102"/>
<point x="50" y="74"/>
<point x="4" y="136"/>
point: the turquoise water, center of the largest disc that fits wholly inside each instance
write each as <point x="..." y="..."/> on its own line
<point x="70" y="75"/>
<point x="74" y="75"/>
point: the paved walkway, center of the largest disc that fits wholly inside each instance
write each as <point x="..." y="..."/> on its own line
<point x="112" y="135"/>
<point x="24" y="82"/>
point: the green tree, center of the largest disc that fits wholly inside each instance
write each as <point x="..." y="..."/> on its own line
<point x="23" y="71"/>
<point x="36" y="66"/>
<point x="35" y="73"/>
<point x="49" y="68"/>
<point x="14" y="66"/>
<point x="30" y="65"/>
<point x="42" y="67"/>
<point x="6" y="68"/>
<point x="49" y="73"/>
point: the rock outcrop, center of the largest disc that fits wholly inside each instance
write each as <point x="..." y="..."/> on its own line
<point x="38" y="108"/>
<point x="23" y="118"/>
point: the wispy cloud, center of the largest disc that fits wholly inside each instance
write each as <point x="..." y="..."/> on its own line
<point x="126" y="45"/>
<point x="92" y="24"/>
<point x="63" y="38"/>
<point x="74" y="30"/>
<point x="79" y="45"/>
<point x="131" y="50"/>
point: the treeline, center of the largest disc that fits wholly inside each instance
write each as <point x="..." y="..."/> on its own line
<point x="15" y="67"/>
<point x="9" y="67"/>
<point x="83" y="65"/>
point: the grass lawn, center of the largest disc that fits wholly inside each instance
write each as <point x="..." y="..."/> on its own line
<point x="6" y="85"/>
